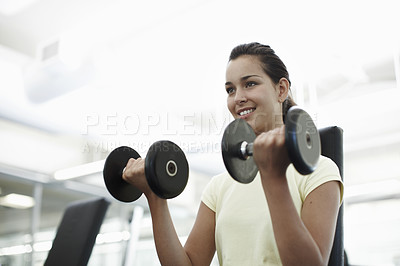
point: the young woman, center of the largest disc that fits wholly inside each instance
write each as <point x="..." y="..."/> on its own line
<point x="281" y="217"/>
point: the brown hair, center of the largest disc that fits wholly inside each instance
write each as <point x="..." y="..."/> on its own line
<point x="271" y="64"/>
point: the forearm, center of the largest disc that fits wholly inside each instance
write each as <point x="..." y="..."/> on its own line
<point x="295" y="244"/>
<point x="168" y="245"/>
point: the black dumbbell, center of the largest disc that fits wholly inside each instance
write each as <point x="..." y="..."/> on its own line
<point x="166" y="170"/>
<point x="301" y="140"/>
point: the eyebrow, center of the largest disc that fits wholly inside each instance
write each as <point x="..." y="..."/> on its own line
<point x="242" y="79"/>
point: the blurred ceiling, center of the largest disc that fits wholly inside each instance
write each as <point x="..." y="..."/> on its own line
<point x="79" y="78"/>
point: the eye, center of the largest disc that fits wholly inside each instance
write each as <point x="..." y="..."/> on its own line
<point x="250" y="84"/>
<point x="230" y="90"/>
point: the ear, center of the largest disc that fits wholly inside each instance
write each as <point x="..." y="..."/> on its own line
<point x="283" y="87"/>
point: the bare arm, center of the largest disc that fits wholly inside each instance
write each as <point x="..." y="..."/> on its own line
<point x="200" y="246"/>
<point x="305" y="240"/>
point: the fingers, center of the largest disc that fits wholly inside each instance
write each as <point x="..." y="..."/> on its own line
<point x="133" y="168"/>
<point x="270" y="153"/>
<point x="272" y="138"/>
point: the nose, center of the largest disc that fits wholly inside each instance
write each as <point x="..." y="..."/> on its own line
<point x="240" y="97"/>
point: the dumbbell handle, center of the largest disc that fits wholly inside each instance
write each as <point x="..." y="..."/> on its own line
<point x="246" y="150"/>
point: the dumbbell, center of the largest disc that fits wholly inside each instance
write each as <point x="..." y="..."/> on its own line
<point x="301" y="140"/>
<point x="166" y="170"/>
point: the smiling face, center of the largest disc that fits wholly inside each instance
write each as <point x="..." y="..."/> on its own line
<point x="252" y="95"/>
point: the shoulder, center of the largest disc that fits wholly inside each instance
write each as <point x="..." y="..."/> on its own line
<point x="215" y="189"/>
<point x="326" y="165"/>
<point x="220" y="181"/>
<point x="326" y="171"/>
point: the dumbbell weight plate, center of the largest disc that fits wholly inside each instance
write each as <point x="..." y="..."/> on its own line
<point x="167" y="169"/>
<point x="235" y="133"/>
<point x="112" y="173"/>
<point x="302" y="140"/>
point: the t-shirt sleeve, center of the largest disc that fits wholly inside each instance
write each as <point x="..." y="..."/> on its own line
<point x="209" y="195"/>
<point x="326" y="171"/>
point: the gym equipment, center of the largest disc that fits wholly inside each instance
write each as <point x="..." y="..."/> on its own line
<point x="332" y="147"/>
<point x="301" y="140"/>
<point x="166" y="170"/>
<point x="77" y="231"/>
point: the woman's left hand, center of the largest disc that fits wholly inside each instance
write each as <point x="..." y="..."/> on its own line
<point x="270" y="153"/>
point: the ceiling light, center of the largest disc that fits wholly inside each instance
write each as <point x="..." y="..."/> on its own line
<point x="17" y="201"/>
<point x="80" y="170"/>
<point x="15" y="250"/>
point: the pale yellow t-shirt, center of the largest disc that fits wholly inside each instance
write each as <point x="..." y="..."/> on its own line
<point x="243" y="231"/>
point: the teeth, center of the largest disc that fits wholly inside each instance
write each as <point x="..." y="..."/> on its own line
<point x="246" y="112"/>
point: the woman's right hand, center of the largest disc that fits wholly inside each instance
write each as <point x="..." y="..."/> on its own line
<point x="134" y="174"/>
